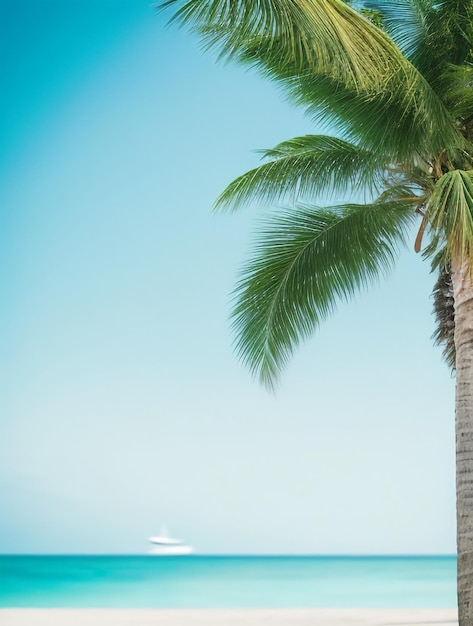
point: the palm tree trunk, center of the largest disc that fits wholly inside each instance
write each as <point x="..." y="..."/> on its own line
<point x="463" y="294"/>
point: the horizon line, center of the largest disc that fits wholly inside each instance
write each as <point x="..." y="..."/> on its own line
<point x="232" y="555"/>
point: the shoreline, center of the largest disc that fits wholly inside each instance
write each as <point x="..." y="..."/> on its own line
<point x="228" y="617"/>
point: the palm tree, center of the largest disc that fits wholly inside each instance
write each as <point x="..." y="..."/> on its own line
<point x="395" y="79"/>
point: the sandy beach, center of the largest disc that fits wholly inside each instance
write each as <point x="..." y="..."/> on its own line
<point x="228" y="617"/>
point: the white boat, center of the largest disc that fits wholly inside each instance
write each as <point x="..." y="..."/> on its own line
<point x="163" y="545"/>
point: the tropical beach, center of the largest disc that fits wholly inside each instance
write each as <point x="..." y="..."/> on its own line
<point x="236" y="278"/>
<point x="195" y="590"/>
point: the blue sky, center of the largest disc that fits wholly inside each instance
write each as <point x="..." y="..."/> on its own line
<point x="123" y="406"/>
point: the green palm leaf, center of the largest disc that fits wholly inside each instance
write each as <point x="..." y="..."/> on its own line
<point x="333" y="60"/>
<point x="453" y="35"/>
<point x="459" y="95"/>
<point x="431" y="34"/>
<point x="407" y="22"/>
<point x="306" y="167"/>
<point x="303" y="264"/>
<point x="403" y="119"/>
<point x="450" y="214"/>
<point x="328" y="34"/>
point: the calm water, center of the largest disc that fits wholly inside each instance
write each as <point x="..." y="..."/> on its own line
<point x="198" y="581"/>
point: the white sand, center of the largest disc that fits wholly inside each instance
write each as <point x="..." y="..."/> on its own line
<point x="228" y="617"/>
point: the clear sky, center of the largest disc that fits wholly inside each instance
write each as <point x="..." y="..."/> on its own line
<point x="122" y="404"/>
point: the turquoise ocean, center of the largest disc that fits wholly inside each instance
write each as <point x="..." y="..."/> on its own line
<point x="217" y="581"/>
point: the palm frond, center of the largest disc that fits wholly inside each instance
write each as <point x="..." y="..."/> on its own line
<point x="453" y="31"/>
<point x="419" y="178"/>
<point x="304" y="263"/>
<point x="328" y="34"/>
<point x="331" y="59"/>
<point x="305" y="167"/>
<point x="450" y="213"/>
<point x="459" y="95"/>
<point x="431" y="34"/>
<point x="444" y="314"/>
<point x="407" y="182"/>
<point x="407" y="23"/>
<point x="404" y="119"/>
